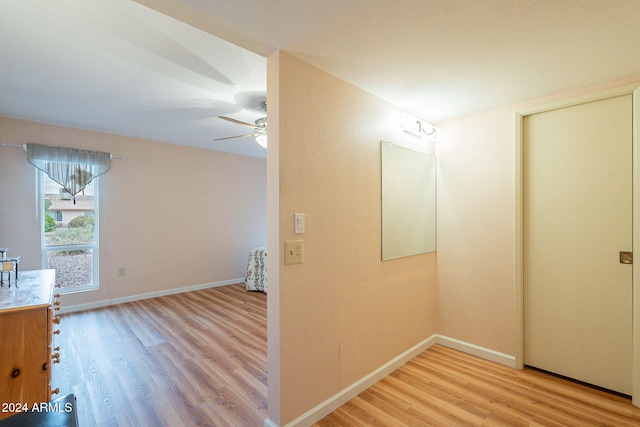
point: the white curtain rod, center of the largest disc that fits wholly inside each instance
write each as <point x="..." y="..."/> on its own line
<point x="24" y="146"/>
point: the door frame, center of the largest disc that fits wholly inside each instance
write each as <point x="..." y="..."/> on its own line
<point x="519" y="219"/>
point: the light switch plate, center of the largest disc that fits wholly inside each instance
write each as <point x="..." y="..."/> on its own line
<point x="298" y="223"/>
<point x="293" y="252"/>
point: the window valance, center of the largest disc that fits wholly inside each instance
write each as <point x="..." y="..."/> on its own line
<point x="73" y="169"/>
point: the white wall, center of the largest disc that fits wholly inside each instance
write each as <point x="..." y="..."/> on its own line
<point x="344" y="312"/>
<point x="476" y="224"/>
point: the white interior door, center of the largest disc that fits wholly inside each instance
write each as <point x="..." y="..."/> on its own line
<point x="577" y="194"/>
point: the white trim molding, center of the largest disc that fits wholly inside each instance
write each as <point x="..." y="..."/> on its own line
<point x="269" y="423"/>
<point x="636" y="239"/>
<point x="519" y="222"/>
<point x="138" y="297"/>
<point x="475" y="350"/>
<point x="343" y="396"/>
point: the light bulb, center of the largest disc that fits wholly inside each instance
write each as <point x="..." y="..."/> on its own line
<point x="262" y="140"/>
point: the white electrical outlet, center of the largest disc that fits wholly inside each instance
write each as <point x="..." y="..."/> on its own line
<point x="293" y="252"/>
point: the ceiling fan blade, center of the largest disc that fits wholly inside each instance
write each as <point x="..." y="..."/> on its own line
<point x="229" y="119"/>
<point x="237" y="136"/>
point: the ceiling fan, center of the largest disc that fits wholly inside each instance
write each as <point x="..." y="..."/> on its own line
<point x="260" y="128"/>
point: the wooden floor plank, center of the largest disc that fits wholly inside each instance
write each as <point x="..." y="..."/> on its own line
<point x="200" y="358"/>
<point x="444" y="387"/>
<point x="189" y="359"/>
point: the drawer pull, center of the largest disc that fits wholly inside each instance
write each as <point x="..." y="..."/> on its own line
<point x="56" y="390"/>
<point x="15" y="373"/>
<point x="56" y="296"/>
<point x="56" y="332"/>
<point x="56" y="320"/>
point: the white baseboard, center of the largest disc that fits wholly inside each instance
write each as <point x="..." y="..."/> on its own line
<point x="348" y="393"/>
<point x="475" y="350"/>
<point x="138" y="297"/>
<point x="334" y="402"/>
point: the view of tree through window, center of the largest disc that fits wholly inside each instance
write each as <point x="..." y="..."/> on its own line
<point x="70" y="235"/>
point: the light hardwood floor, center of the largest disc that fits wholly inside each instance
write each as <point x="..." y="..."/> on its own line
<point x="199" y="358"/>
<point x="444" y="387"/>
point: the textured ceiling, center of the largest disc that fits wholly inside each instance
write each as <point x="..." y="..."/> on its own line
<point x="442" y="59"/>
<point x="118" y="66"/>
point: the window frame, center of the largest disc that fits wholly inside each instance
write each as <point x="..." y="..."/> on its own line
<point x="94" y="247"/>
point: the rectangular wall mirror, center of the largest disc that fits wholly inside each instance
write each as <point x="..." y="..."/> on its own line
<point x="408" y="202"/>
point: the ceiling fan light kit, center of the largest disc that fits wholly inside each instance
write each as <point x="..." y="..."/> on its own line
<point x="260" y="128"/>
<point x="262" y="140"/>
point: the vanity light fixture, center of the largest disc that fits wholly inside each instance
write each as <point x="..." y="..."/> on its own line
<point x="418" y="129"/>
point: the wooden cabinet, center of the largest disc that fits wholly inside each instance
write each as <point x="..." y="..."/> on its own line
<point x="26" y="341"/>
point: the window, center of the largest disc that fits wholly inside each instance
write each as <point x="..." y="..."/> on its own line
<point x="70" y="235"/>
